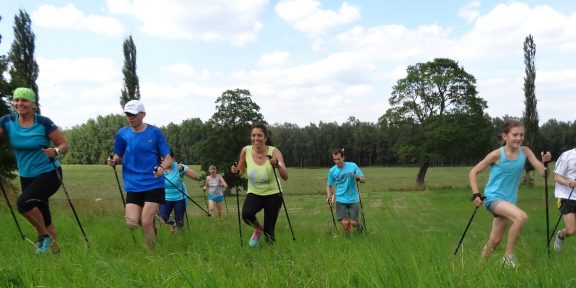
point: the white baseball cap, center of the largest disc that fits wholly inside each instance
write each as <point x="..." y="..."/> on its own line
<point x="134" y="107"/>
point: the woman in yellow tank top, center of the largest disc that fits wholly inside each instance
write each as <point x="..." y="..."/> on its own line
<point x="263" y="193"/>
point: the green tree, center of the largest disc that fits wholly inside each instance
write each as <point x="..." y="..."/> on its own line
<point x="93" y="141"/>
<point x="131" y="89"/>
<point x="24" y="69"/>
<point x="7" y="161"/>
<point x="530" y="115"/>
<point x="430" y="92"/>
<point x="228" y="131"/>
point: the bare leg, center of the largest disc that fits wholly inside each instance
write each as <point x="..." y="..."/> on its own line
<point x="211" y="205"/>
<point x="34" y="216"/>
<point x="148" y="213"/>
<point x="346" y="226"/>
<point x="52" y="231"/>
<point x="570" y="222"/>
<point x="219" y="207"/>
<point x="499" y="225"/>
<point x="518" y="218"/>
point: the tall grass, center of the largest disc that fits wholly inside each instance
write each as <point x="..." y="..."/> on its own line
<point x="410" y="241"/>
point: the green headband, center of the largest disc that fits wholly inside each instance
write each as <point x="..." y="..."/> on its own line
<point x="24" y="93"/>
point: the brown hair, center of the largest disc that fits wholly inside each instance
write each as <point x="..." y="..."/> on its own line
<point x="264" y="130"/>
<point x="337" y="151"/>
<point x="508" y="125"/>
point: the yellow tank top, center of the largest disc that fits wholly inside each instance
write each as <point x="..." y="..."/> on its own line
<point x="260" y="177"/>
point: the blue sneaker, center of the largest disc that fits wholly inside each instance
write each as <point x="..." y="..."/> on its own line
<point x="43" y="244"/>
<point x="255" y="237"/>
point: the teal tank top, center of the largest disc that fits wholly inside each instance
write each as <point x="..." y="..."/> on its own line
<point x="504" y="179"/>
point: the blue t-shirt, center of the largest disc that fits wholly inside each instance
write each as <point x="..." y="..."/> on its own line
<point x="175" y="182"/>
<point x="141" y="152"/>
<point x="345" y="183"/>
<point x="27" y="143"/>
<point x="504" y="179"/>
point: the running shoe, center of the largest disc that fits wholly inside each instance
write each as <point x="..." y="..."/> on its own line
<point x="509" y="261"/>
<point x="558" y="242"/>
<point x="43" y="244"/>
<point x="255" y="237"/>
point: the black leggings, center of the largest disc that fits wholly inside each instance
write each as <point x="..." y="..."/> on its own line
<point x="271" y="204"/>
<point x="36" y="191"/>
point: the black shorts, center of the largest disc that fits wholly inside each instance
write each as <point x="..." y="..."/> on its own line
<point x="138" y="198"/>
<point x="567" y="206"/>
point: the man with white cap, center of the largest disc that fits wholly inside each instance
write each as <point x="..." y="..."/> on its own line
<point x="144" y="153"/>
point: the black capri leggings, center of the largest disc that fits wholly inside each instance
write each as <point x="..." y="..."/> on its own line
<point x="36" y="191"/>
<point x="271" y="205"/>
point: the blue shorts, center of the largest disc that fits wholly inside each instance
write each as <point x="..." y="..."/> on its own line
<point x="217" y="199"/>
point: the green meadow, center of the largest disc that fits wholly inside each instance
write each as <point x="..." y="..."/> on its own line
<point x="410" y="242"/>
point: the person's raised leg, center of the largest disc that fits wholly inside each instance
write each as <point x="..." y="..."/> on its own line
<point x="518" y="218"/>
<point x="499" y="225"/>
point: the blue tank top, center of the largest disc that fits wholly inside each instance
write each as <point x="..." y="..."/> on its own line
<point x="504" y="178"/>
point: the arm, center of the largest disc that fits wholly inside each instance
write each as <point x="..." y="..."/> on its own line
<point x="60" y="144"/>
<point x="166" y="163"/>
<point x="278" y="161"/>
<point x="565" y="181"/>
<point x="240" y="167"/>
<point x="187" y="171"/>
<point x="223" y="183"/>
<point x="490" y="159"/>
<point x="329" y="195"/>
<point x="538" y="166"/>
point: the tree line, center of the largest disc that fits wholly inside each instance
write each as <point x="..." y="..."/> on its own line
<point x="436" y="118"/>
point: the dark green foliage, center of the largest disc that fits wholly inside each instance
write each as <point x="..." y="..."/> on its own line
<point x="93" y="141"/>
<point x="227" y="131"/>
<point x="24" y="69"/>
<point x="424" y="101"/>
<point x="530" y="115"/>
<point x="7" y="161"/>
<point x="131" y="89"/>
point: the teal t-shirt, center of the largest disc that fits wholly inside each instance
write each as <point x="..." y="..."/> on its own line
<point x="343" y="178"/>
<point x="174" y="182"/>
<point x="28" y="142"/>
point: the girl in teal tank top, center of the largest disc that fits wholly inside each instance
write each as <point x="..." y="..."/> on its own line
<point x="506" y="164"/>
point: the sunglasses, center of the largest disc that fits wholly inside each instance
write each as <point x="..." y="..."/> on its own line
<point x="130" y="115"/>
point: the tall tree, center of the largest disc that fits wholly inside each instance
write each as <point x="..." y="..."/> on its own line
<point x="429" y="93"/>
<point x="530" y="115"/>
<point x="228" y="131"/>
<point x="131" y="89"/>
<point x="24" y="69"/>
<point x="7" y="161"/>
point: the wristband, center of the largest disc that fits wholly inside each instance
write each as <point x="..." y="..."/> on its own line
<point x="476" y="195"/>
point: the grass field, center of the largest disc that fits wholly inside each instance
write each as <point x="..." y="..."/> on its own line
<point x="410" y="241"/>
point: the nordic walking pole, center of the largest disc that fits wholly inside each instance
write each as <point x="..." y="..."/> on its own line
<point x="333" y="219"/>
<point x="282" y="196"/>
<point x="202" y="208"/>
<point x="467" y="226"/>
<point x="547" y="214"/>
<point x="558" y="222"/>
<point x="238" y="206"/>
<point x="361" y="207"/>
<point x="22" y="236"/>
<point x="121" y="193"/>
<point x="68" y="197"/>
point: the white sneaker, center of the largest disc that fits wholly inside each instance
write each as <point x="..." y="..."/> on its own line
<point x="509" y="261"/>
<point x="558" y="242"/>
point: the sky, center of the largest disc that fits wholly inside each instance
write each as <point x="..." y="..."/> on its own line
<point x="303" y="61"/>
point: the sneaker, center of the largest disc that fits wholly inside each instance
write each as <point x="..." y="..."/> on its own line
<point x="558" y="242"/>
<point x="43" y="244"/>
<point x="255" y="237"/>
<point x="509" y="261"/>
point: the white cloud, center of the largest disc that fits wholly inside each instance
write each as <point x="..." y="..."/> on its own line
<point x="71" y="18"/>
<point x="274" y="58"/>
<point x="306" y="15"/>
<point x="470" y="11"/>
<point x="216" y="20"/>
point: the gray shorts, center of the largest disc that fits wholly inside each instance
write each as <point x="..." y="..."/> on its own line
<point x="347" y="211"/>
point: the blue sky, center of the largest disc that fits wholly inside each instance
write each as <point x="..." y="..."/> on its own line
<point x="304" y="61"/>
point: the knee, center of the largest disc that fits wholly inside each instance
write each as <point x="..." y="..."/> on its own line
<point x="23" y="205"/>
<point x="131" y="223"/>
<point x="570" y="230"/>
<point x="249" y="218"/>
<point x="521" y="218"/>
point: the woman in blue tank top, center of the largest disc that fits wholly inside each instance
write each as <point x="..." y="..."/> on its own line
<point x="506" y="165"/>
